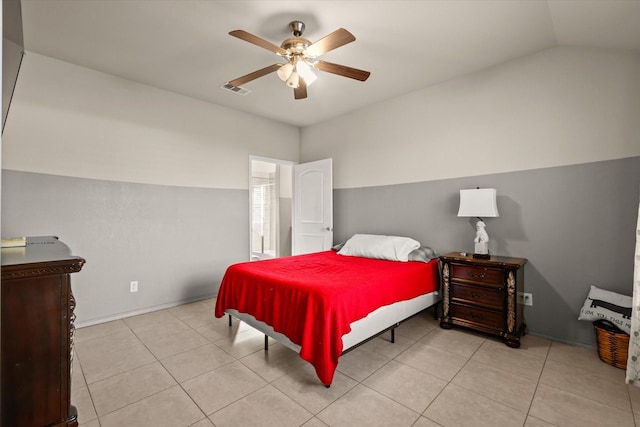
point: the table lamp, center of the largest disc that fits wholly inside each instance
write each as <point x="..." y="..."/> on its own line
<point x="479" y="203"/>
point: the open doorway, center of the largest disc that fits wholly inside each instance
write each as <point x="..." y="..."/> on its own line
<point x="270" y="204"/>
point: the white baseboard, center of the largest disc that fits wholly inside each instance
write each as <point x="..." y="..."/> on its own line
<point x="145" y="310"/>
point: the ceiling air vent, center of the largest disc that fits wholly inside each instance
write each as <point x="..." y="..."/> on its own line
<point x="235" y="89"/>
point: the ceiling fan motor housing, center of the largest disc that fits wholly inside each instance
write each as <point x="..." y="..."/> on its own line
<point x="297" y="27"/>
<point x="295" y="45"/>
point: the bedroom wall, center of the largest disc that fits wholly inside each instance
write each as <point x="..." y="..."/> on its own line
<point x="558" y="107"/>
<point x="556" y="133"/>
<point x="145" y="184"/>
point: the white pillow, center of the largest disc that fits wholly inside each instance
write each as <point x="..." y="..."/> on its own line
<point x="601" y="304"/>
<point x="393" y="248"/>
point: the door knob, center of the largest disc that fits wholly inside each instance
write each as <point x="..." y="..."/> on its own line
<point x="327" y="229"/>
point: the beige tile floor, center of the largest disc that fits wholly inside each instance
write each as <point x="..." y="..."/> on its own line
<point x="183" y="367"/>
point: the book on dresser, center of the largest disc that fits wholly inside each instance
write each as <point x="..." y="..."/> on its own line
<point x="37" y="333"/>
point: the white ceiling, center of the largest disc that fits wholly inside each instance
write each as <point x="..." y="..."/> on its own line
<point x="183" y="45"/>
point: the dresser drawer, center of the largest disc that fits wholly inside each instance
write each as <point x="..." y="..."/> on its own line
<point x="489" y="297"/>
<point x="489" y="318"/>
<point x="477" y="274"/>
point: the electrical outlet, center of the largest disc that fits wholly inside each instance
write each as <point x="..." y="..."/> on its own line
<point x="133" y="286"/>
<point x="525" y="298"/>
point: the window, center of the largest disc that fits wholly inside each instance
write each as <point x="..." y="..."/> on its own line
<point x="263" y="216"/>
<point x="270" y="207"/>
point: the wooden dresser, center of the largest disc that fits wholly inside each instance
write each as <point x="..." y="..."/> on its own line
<point x="483" y="294"/>
<point x="37" y="333"/>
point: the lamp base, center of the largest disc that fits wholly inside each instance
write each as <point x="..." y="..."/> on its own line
<point x="481" y="249"/>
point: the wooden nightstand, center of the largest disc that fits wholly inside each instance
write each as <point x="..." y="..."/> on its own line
<point x="482" y="294"/>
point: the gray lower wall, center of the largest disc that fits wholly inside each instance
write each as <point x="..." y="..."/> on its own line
<point x="574" y="224"/>
<point x="286" y="221"/>
<point x="175" y="241"/>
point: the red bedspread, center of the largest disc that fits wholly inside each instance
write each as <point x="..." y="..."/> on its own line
<point x="313" y="298"/>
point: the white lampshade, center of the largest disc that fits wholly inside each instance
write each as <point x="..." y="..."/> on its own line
<point x="478" y="202"/>
<point x="284" y="72"/>
<point x="305" y="72"/>
<point x="293" y="80"/>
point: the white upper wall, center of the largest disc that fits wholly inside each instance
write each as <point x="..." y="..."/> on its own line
<point x="561" y="106"/>
<point x="73" y="121"/>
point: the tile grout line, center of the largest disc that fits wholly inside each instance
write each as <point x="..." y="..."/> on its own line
<point x="156" y="360"/>
<point x="535" y="391"/>
<point x="206" y="416"/>
<point x="420" y="414"/>
<point x="547" y="358"/>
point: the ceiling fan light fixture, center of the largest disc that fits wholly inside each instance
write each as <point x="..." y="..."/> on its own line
<point x="285" y="71"/>
<point x="300" y="56"/>
<point x="304" y="69"/>
<point x="293" y="80"/>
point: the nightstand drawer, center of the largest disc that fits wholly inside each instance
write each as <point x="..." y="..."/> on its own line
<point x="477" y="274"/>
<point x="477" y="315"/>
<point x="489" y="297"/>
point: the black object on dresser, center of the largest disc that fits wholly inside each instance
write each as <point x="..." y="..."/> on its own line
<point x="37" y="333"/>
<point x="483" y="294"/>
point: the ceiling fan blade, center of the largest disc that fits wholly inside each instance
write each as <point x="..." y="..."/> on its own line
<point x="265" y="44"/>
<point x="342" y="70"/>
<point x="301" y="91"/>
<point x="338" y="38"/>
<point x="252" y="76"/>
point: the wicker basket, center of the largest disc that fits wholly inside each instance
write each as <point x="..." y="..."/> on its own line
<point x="613" y="343"/>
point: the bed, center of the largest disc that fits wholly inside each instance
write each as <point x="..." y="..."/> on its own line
<point x="325" y="303"/>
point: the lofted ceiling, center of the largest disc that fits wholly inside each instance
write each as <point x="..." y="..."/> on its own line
<point x="183" y="45"/>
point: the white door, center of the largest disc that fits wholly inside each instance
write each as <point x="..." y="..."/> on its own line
<point x="312" y="207"/>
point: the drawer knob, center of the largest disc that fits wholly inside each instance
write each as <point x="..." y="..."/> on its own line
<point x="475" y="316"/>
<point x="476" y="275"/>
<point x="478" y="296"/>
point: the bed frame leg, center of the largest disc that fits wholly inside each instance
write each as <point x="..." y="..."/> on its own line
<point x="229" y="320"/>
<point x="266" y="343"/>
<point x="393" y="335"/>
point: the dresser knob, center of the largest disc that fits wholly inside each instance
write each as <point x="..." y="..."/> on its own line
<point x="476" y="275"/>
<point x="478" y="296"/>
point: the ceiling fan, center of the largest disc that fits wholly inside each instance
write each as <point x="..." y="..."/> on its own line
<point x="300" y="55"/>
